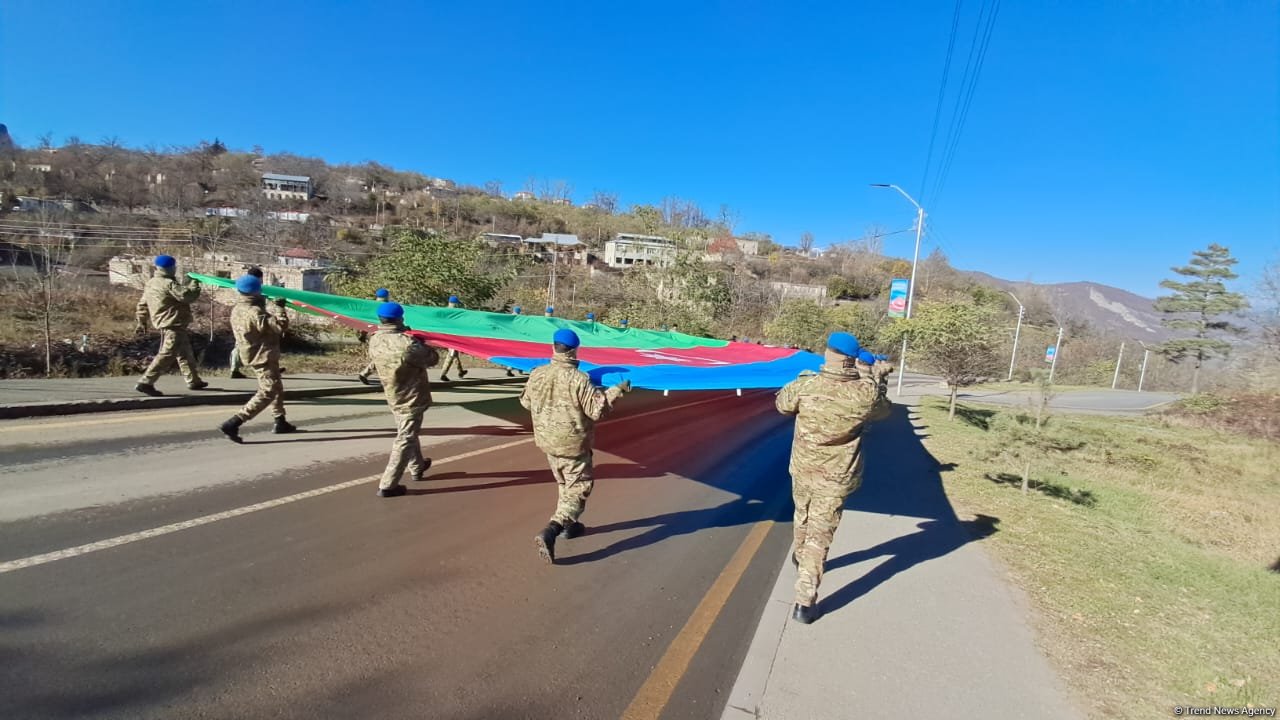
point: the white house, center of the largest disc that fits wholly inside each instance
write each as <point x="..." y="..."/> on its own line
<point x="630" y="250"/>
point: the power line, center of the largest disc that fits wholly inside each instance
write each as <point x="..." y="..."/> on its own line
<point x="973" y="71"/>
<point x="942" y="91"/>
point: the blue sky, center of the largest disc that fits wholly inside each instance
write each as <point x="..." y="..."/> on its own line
<point x="1105" y="140"/>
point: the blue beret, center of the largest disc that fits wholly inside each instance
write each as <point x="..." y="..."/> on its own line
<point x="248" y="285"/>
<point x="516" y="310"/>
<point x="866" y="358"/>
<point x="882" y="357"/>
<point x="624" y="321"/>
<point x="382" y="294"/>
<point x="844" y="343"/>
<point x="566" y="337"/>
<point x="453" y="298"/>
<point x="550" y="309"/>
<point x="390" y="311"/>
<point x="166" y="261"/>
<point x="591" y="316"/>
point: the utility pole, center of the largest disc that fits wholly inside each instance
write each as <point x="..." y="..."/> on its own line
<point x="1014" y="358"/>
<point x="911" y="286"/>
<point x="1054" y="365"/>
<point x="551" y="291"/>
<point x="1116" y="377"/>
<point x="1146" y="353"/>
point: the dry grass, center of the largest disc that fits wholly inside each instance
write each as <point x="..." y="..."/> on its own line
<point x="1158" y="591"/>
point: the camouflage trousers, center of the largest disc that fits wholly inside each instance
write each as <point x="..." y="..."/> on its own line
<point x="406" y="452"/>
<point x="817" y="517"/>
<point x="236" y="362"/>
<point x="175" y="345"/>
<point x="453" y="358"/>
<point x="270" y="392"/>
<point x="574" y="481"/>
<point x="369" y="369"/>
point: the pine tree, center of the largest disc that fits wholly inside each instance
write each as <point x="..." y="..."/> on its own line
<point x="1197" y="304"/>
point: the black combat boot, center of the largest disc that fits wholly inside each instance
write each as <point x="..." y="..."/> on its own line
<point x="231" y="429"/>
<point x="805" y="613"/>
<point x="237" y="375"/>
<point x="147" y="389"/>
<point x="198" y="385"/>
<point x="393" y="491"/>
<point x="283" y="426"/>
<point x="444" y="378"/>
<point x="545" y="541"/>
<point x="364" y="379"/>
<point x="462" y="373"/>
<point x="574" y="529"/>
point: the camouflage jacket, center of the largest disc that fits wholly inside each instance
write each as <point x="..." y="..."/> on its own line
<point x="565" y="406"/>
<point x="832" y="408"/>
<point x="402" y="361"/>
<point x="167" y="302"/>
<point x="258" y="332"/>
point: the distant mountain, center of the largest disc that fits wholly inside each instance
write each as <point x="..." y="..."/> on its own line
<point x="6" y="142"/>
<point x="1108" y="309"/>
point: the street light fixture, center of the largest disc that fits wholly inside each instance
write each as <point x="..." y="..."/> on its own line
<point x="915" y="260"/>
<point x="1016" y="333"/>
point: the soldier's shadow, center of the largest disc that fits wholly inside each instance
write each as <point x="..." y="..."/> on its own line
<point x="902" y="478"/>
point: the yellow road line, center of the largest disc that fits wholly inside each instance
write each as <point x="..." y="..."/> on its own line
<point x="654" y="695"/>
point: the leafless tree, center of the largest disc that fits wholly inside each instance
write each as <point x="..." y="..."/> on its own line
<point x="606" y="201"/>
<point x="806" y="242"/>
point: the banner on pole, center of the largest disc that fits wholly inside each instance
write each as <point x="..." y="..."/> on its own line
<point x="898" y="298"/>
<point x="1049" y="353"/>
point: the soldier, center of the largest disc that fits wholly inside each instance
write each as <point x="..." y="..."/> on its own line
<point x="550" y="311"/>
<point x="382" y="295"/>
<point x="402" y="361"/>
<point x="452" y="356"/>
<point x="565" y="406"/>
<point x="168" y="303"/>
<point x="258" y="336"/>
<point x="832" y="407"/>
<point x="235" y="350"/>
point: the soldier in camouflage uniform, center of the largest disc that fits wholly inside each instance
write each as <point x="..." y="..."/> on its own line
<point x="565" y="406"/>
<point x="452" y="357"/>
<point x="876" y="368"/>
<point x="382" y="295"/>
<point x="167" y="303"/>
<point x="402" y="361"/>
<point x="258" y="335"/>
<point x="832" y="407"/>
<point x="236" y="362"/>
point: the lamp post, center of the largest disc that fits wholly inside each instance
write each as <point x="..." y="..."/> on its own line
<point x="915" y="260"/>
<point x="1146" y="353"/>
<point x="1014" y="358"/>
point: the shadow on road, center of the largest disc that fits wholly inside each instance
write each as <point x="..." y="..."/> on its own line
<point x="1052" y="489"/>
<point x="903" y="478"/>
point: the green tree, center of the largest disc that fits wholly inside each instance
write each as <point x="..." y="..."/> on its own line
<point x="802" y="322"/>
<point x="1197" y="305"/>
<point x="425" y="267"/>
<point x="957" y="340"/>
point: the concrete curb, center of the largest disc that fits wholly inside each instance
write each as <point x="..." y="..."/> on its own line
<point x="757" y="667"/>
<point x="77" y="407"/>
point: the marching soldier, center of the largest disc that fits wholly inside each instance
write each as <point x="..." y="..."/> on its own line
<point x="402" y="361"/>
<point x="451" y="358"/>
<point x="258" y="336"/>
<point x="236" y="364"/>
<point x="565" y="406"/>
<point x="382" y="295"/>
<point x="832" y="407"/>
<point x="167" y="303"/>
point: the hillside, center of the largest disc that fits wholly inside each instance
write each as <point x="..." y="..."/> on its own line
<point x="1108" y="309"/>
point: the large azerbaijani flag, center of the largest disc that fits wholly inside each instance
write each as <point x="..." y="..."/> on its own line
<point x="649" y="359"/>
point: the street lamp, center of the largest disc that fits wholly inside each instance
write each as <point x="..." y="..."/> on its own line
<point x="911" y="287"/>
<point x="1016" y="332"/>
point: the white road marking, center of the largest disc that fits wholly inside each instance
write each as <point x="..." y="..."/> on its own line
<point x="114" y="542"/>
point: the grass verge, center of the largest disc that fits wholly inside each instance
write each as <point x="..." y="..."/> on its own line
<point x="1150" y="554"/>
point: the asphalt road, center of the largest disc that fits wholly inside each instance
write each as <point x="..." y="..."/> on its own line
<point x="151" y="569"/>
